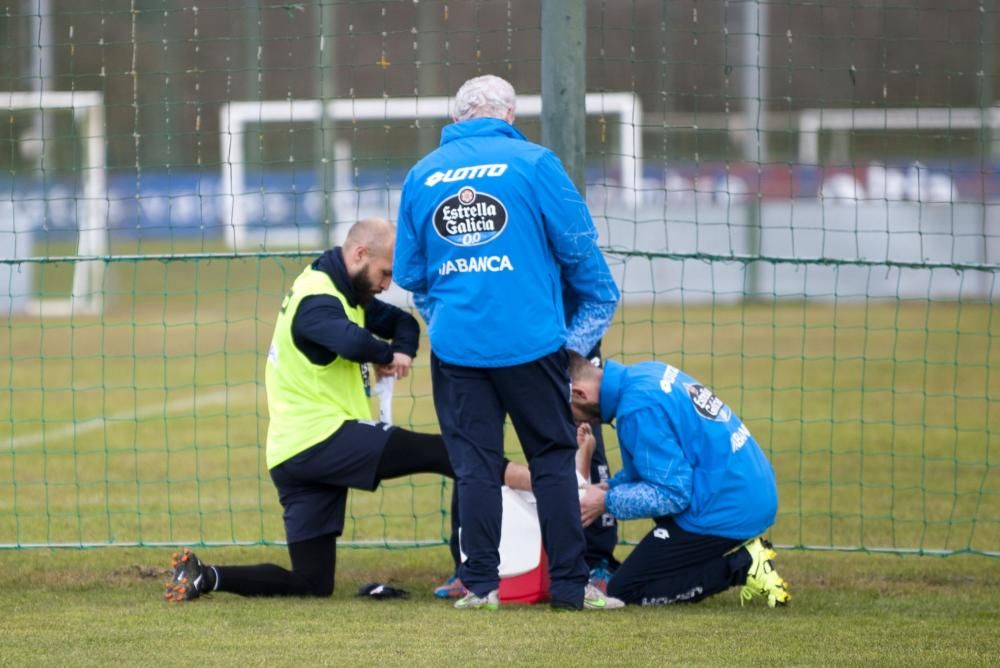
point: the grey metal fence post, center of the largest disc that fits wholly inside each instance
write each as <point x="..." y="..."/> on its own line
<point x="564" y="43"/>
<point x="326" y="91"/>
<point x="252" y="56"/>
<point x="755" y="117"/>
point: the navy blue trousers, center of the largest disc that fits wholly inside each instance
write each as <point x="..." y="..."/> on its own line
<point x="671" y="565"/>
<point x="601" y="536"/>
<point x="471" y="405"/>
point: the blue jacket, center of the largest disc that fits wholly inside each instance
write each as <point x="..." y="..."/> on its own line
<point x="490" y="230"/>
<point x="684" y="454"/>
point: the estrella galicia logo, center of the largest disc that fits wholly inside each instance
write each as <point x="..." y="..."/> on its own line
<point x="707" y="404"/>
<point x="470" y="218"/>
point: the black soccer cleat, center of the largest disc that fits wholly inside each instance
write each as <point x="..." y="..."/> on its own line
<point x="189" y="580"/>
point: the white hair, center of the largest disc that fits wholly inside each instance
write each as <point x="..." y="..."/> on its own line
<point x="487" y="96"/>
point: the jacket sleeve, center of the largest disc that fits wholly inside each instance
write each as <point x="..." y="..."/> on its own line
<point x="409" y="262"/>
<point x="662" y="484"/>
<point x="394" y="324"/>
<point x="321" y="321"/>
<point x="573" y="239"/>
<point x="422" y="303"/>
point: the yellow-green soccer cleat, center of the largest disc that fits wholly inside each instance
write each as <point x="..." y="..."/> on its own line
<point x="472" y="602"/>
<point x="188" y="581"/>
<point x="762" y="579"/>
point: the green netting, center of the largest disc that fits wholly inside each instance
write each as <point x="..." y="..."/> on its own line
<point x="798" y="201"/>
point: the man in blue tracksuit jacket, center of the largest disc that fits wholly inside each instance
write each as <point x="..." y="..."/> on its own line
<point x="691" y="464"/>
<point x="490" y="230"/>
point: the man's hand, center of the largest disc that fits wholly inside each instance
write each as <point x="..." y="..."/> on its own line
<point x="592" y="503"/>
<point x="398" y="368"/>
<point x="401" y="363"/>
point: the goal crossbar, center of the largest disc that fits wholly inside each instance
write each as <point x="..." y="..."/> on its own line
<point x="814" y="121"/>
<point x="235" y="116"/>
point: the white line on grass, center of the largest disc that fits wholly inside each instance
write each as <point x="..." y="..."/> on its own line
<point x="143" y="413"/>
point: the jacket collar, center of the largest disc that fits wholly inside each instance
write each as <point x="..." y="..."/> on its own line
<point x="332" y="264"/>
<point x="479" y="127"/>
<point x="611" y="389"/>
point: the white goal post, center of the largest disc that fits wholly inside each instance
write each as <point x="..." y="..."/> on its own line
<point x="235" y="116"/>
<point x="814" y="121"/>
<point x="88" y="112"/>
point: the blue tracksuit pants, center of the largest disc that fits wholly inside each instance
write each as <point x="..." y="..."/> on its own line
<point x="471" y="404"/>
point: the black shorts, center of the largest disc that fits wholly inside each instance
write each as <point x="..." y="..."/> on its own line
<point x="312" y="485"/>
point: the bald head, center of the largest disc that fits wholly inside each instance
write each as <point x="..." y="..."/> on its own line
<point x="367" y="254"/>
<point x="585" y="388"/>
<point x="378" y="235"/>
<point x="581" y="368"/>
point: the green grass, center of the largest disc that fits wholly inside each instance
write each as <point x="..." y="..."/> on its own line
<point x="101" y="606"/>
<point x="144" y="426"/>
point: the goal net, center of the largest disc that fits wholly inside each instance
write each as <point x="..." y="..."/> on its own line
<point x="796" y="214"/>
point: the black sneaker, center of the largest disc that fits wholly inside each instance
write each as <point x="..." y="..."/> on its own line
<point x="189" y="580"/>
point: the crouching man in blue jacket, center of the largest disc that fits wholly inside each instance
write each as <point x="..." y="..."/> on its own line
<point x="690" y="464"/>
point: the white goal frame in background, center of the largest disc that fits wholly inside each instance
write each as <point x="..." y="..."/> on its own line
<point x="235" y="116"/>
<point x="813" y="121"/>
<point x="88" y="113"/>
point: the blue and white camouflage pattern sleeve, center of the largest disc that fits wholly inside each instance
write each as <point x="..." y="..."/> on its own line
<point x="640" y="499"/>
<point x="659" y="481"/>
<point x="573" y="238"/>
<point x="588" y="325"/>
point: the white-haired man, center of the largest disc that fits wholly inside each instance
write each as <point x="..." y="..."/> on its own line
<point x="491" y="231"/>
